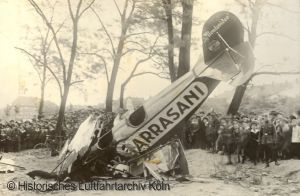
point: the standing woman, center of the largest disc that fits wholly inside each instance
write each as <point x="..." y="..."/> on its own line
<point x="253" y="142"/>
<point x="295" y="127"/>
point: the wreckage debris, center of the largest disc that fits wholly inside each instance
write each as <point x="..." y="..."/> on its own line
<point x="42" y="174"/>
<point x="90" y="153"/>
<point x="87" y="156"/>
<point x="8" y="165"/>
<point x="4" y="168"/>
<point x="139" y="143"/>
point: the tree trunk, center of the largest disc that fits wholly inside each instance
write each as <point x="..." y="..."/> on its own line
<point x="184" y="56"/>
<point x="41" y="104"/>
<point x="252" y="35"/>
<point x="117" y="59"/>
<point x="114" y="73"/>
<point x="240" y="90"/>
<point x="186" y="33"/>
<point x="61" y="112"/>
<point x="168" y="9"/>
<point x="123" y="86"/>
<point x="237" y="98"/>
<point x="43" y="86"/>
<point x="67" y="83"/>
<point x="109" y="98"/>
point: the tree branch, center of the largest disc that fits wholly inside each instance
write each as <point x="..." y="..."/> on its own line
<point x="150" y="55"/>
<point x="28" y="53"/>
<point x="35" y="68"/>
<point x="140" y="33"/>
<point x="76" y="82"/>
<point x="48" y="81"/>
<point x="58" y="29"/>
<point x="105" y="30"/>
<point x="152" y="73"/>
<point x="86" y="8"/>
<point x="56" y="79"/>
<point x="123" y="16"/>
<point x="283" y="8"/>
<point x="43" y="16"/>
<point x="135" y="42"/>
<point x="152" y="17"/>
<point x="106" y="50"/>
<point x="134" y="50"/>
<point x="276" y="34"/>
<point x="132" y="8"/>
<point x="39" y="63"/>
<point x="103" y="60"/>
<point x="243" y="4"/>
<point x="78" y="10"/>
<point x="274" y="73"/>
<point x="118" y="8"/>
<point x="70" y="11"/>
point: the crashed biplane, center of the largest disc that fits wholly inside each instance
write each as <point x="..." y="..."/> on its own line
<point x="140" y="143"/>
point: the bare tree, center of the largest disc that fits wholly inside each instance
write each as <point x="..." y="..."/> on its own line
<point x="130" y="41"/>
<point x="169" y="14"/>
<point x="186" y="34"/>
<point x="126" y="15"/>
<point x="40" y="60"/>
<point x="167" y="4"/>
<point x="66" y="66"/>
<point x="133" y="73"/>
<point x="255" y="8"/>
<point x="163" y="15"/>
<point x="240" y="91"/>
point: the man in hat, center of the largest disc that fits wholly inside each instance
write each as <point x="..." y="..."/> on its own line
<point x="200" y="139"/>
<point x="268" y="138"/>
<point x="283" y="137"/>
<point x="220" y="146"/>
<point x="291" y="118"/>
<point x="192" y="128"/>
<point x="272" y="116"/>
<point x="210" y="133"/>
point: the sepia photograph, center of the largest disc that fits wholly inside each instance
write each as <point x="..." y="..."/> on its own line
<point x="157" y="97"/>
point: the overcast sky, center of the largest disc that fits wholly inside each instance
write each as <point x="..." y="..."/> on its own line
<point x="16" y="69"/>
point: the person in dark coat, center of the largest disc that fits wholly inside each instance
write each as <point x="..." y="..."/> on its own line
<point x="10" y="139"/>
<point x="283" y="138"/>
<point x="211" y="134"/>
<point x="230" y="144"/>
<point x="2" y="138"/>
<point x="242" y="135"/>
<point x="200" y="136"/>
<point x="220" y="145"/>
<point x="253" y="142"/>
<point x="191" y="132"/>
<point x="268" y="138"/>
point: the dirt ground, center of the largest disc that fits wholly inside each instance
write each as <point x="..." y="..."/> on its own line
<point x="210" y="176"/>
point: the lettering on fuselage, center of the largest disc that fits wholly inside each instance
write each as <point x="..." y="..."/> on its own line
<point x="169" y="116"/>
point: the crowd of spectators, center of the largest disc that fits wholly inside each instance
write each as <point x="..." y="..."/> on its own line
<point x="265" y="138"/>
<point x="251" y="137"/>
<point x="17" y="135"/>
<point x="22" y="135"/>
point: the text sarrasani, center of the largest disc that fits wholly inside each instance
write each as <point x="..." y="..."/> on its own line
<point x="170" y="116"/>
